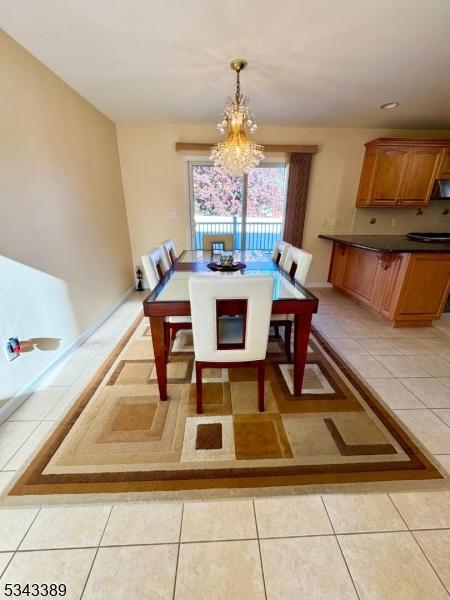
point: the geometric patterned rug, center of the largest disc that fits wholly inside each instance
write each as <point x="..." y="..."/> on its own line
<point x="119" y="437"/>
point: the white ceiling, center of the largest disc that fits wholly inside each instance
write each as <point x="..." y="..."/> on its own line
<point x="311" y="62"/>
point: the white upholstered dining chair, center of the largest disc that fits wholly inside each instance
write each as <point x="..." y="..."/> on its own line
<point x="169" y="252"/>
<point x="155" y="268"/>
<point x="223" y="239"/>
<point x="280" y="251"/>
<point x="222" y="341"/>
<point x="296" y="263"/>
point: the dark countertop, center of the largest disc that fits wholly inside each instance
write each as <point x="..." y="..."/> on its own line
<point x="387" y="243"/>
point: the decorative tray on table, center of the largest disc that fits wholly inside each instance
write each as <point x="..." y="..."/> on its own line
<point x="217" y="266"/>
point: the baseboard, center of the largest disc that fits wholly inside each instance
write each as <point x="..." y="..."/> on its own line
<point x="23" y="394"/>
<point x="319" y="285"/>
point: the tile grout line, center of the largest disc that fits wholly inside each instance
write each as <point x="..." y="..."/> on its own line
<point x="398" y="511"/>
<point x="280" y="537"/>
<point x="429" y="561"/>
<point x="23" y="443"/>
<point x="41" y="388"/>
<point x="339" y="546"/>
<point x="21" y="541"/>
<point x="14" y="552"/>
<point x="283" y="537"/>
<point x="28" y="530"/>
<point x="96" y="553"/>
<point x="7" y="565"/>
<point x="442" y="420"/>
<point x="259" y="548"/>
<point x="178" y="553"/>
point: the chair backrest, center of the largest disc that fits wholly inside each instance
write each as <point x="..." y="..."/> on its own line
<point x="226" y="239"/>
<point x="155" y="266"/>
<point x="211" y="296"/>
<point x="169" y="252"/>
<point x="280" y="251"/>
<point x="297" y="264"/>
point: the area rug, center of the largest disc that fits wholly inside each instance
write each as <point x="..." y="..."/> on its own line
<point x="119" y="437"/>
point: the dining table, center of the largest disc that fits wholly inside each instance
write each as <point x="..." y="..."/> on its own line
<point x="170" y="298"/>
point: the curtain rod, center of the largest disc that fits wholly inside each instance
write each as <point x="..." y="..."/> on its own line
<point x="195" y="147"/>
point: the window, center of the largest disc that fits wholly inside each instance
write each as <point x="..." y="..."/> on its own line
<point x="250" y="207"/>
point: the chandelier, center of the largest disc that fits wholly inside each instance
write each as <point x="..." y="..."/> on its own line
<point x="237" y="154"/>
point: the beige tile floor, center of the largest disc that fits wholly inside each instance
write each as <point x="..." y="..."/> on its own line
<point x="375" y="545"/>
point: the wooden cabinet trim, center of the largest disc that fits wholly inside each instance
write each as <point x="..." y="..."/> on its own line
<point x="442" y="143"/>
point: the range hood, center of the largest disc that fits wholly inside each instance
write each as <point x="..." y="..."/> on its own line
<point x="441" y="190"/>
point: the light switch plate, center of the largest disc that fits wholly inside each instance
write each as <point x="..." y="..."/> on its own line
<point x="173" y="215"/>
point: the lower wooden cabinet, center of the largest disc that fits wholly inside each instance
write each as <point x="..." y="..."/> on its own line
<point x="407" y="288"/>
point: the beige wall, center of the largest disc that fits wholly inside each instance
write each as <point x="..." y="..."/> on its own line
<point x="155" y="183"/>
<point x="64" y="246"/>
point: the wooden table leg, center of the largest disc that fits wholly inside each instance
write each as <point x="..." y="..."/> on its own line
<point x="159" y="349"/>
<point x="302" y="330"/>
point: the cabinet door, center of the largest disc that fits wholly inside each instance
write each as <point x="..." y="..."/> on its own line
<point x="419" y="175"/>
<point x="338" y="263"/>
<point x="425" y="287"/>
<point x="444" y="170"/>
<point x="365" y="183"/>
<point x="389" y="171"/>
<point x="360" y="273"/>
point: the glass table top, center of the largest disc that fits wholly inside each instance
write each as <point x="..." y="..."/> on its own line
<point x="247" y="256"/>
<point x="177" y="288"/>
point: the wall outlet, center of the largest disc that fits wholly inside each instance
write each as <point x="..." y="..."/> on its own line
<point x="393" y="222"/>
<point x="173" y="215"/>
<point x="12" y="349"/>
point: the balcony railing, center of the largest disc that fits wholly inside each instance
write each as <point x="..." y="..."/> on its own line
<point x="259" y="235"/>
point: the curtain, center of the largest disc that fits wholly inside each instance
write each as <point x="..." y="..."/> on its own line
<point x="299" y="166"/>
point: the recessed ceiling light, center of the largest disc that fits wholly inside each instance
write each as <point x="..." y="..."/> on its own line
<point x="389" y="105"/>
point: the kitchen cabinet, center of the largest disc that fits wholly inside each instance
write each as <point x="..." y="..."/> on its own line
<point x="409" y="289"/>
<point x="388" y="174"/>
<point x="419" y="176"/>
<point x="401" y="173"/>
<point x="444" y="169"/>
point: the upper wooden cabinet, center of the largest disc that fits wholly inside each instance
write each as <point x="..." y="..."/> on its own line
<point x="401" y="173"/>
<point x="388" y="174"/>
<point x="419" y="175"/>
<point x="444" y="169"/>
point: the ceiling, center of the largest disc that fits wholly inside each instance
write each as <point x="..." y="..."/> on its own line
<point x="322" y="63"/>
